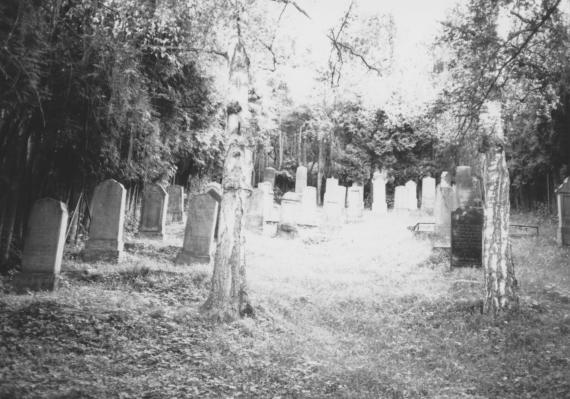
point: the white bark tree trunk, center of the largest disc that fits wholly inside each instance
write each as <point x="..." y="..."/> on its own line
<point x="500" y="281"/>
<point x="228" y="299"/>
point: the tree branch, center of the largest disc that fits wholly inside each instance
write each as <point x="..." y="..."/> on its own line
<point x="294" y="4"/>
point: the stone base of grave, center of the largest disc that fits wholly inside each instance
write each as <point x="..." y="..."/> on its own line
<point x="101" y="255"/>
<point x="153" y="235"/>
<point x="27" y="281"/>
<point x="287" y="230"/>
<point x="563" y="235"/>
<point x="187" y="258"/>
<point x="176" y="217"/>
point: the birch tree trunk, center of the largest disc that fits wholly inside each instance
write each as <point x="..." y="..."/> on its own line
<point x="228" y="299"/>
<point x="500" y="282"/>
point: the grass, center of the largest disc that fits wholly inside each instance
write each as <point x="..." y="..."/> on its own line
<point x="367" y="311"/>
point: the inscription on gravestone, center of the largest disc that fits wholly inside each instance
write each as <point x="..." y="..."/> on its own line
<point x="466" y="237"/>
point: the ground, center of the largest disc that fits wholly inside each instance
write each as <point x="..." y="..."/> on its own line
<point x="365" y="311"/>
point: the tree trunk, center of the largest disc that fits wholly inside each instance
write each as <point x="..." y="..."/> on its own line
<point x="500" y="282"/>
<point x="228" y="297"/>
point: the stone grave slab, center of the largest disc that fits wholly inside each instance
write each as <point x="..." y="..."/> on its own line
<point x="466" y="237"/>
<point x="105" y="242"/>
<point x="175" y="213"/>
<point x="153" y="212"/>
<point x="43" y="246"/>
<point x="199" y="244"/>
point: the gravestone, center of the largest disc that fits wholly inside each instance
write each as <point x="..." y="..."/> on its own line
<point x="200" y="230"/>
<point x="428" y="195"/>
<point x="269" y="213"/>
<point x="175" y="212"/>
<point x="445" y="203"/>
<point x="308" y="215"/>
<point x="254" y="213"/>
<point x="290" y="204"/>
<point x="464" y="186"/>
<point x="379" y="193"/>
<point x="412" y="196"/>
<point x="400" y="198"/>
<point x="269" y="176"/>
<point x="300" y="179"/>
<point x="215" y="191"/>
<point x="445" y="179"/>
<point x="354" y="203"/>
<point x="153" y="212"/>
<point x="43" y="246"/>
<point x="105" y="241"/>
<point x="466" y="237"/>
<point x="333" y="203"/>
<point x="563" y="199"/>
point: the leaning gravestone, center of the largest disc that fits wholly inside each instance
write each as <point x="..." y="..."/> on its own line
<point x="153" y="212"/>
<point x="400" y="199"/>
<point x="466" y="237"/>
<point x="269" y="176"/>
<point x="379" y="193"/>
<point x="290" y="204"/>
<point x="563" y="199"/>
<point x="105" y="241"/>
<point x="354" y="203"/>
<point x="428" y="195"/>
<point x="308" y="216"/>
<point x="300" y="179"/>
<point x="175" y="212"/>
<point x="412" y="196"/>
<point x="254" y="213"/>
<point x="43" y="246"/>
<point x="200" y="230"/>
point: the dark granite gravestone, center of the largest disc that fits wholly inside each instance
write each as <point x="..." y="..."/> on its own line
<point x="466" y="237"/>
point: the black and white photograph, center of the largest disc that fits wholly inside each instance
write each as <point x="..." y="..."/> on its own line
<point x="285" y="199"/>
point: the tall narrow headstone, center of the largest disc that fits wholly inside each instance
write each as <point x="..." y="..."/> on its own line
<point x="153" y="212"/>
<point x="445" y="203"/>
<point x="269" y="213"/>
<point x="269" y="176"/>
<point x="43" y="246"/>
<point x="477" y="193"/>
<point x="379" y="193"/>
<point x="308" y="215"/>
<point x="290" y="204"/>
<point x="464" y="186"/>
<point x="354" y="203"/>
<point x="333" y="203"/>
<point x="412" y="196"/>
<point x="175" y="212"/>
<point x="254" y="215"/>
<point x="300" y="179"/>
<point x="563" y="199"/>
<point x="428" y="195"/>
<point x="400" y="199"/>
<point x="200" y="230"/>
<point x="105" y="242"/>
<point x="445" y="179"/>
<point x="466" y="237"/>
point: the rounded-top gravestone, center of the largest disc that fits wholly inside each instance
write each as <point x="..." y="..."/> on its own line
<point x="43" y="246"/>
<point x="153" y="212"/>
<point x="105" y="241"/>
